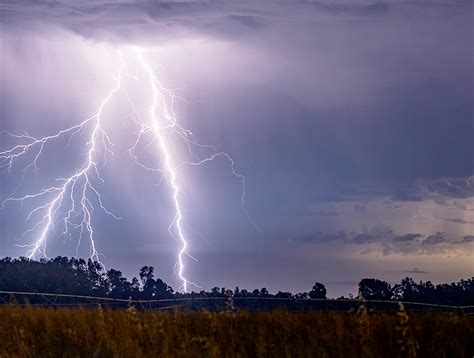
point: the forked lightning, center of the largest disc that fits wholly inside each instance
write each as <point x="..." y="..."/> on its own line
<point x="70" y="203"/>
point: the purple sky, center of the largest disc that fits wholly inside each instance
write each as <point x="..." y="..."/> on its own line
<point x="351" y="121"/>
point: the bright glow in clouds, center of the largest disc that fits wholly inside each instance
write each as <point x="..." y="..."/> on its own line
<point x="71" y="202"/>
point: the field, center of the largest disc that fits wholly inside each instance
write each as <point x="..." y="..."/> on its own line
<point x="28" y="332"/>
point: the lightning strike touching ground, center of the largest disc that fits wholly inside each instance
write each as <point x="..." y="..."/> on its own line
<point x="81" y="180"/>
<point x="164" y="125"/>
<point x="71" y="203"/>
<point x="169" y="123"/>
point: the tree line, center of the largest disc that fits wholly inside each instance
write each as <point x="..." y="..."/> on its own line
<point x="77" y="276"/>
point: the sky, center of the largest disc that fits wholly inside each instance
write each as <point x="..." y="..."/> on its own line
<point x="352" y="123"/>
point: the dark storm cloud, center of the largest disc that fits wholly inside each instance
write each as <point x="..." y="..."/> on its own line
<point x="440" y="190"/>
<point x="365" y="238"/>
<point x="374" y="235"/>
<point x="407" y="237"/>
<point x="436" y="189"/>
<point x="133" y="20"/>
<point x="196" y="15"/>
<point x="415" y="244"/>
<point x="432" y="244"/>
<point x="466" y="240"/>
<point x="435" y="239"/>
<point x="458" y="221"/>
<point x="386" y="241"/>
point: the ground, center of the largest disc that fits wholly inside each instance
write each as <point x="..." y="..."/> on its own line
<point x="28" y="332"/>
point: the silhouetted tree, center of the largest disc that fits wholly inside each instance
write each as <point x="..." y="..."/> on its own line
<point x="318" y="291"/>
<point x="79" y="277"/>
<point x="281" y="294"/>
<point x="153" y="289"/>
<point x="119" y="287"/>
<point x="97" y="277"/>
<point x="245" y="293"/>
<point x="406" y="290"/>
<point x="302" y="295"/>
<point x="374" y="289"/>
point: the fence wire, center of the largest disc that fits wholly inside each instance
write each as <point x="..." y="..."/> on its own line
<point x="223" y="303"/>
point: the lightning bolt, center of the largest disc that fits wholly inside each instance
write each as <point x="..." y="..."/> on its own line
<point x="164" y="124"/>
<point x="81" y="181"/>
<point x="169" y="123"/>
<point x="160" y="129"/>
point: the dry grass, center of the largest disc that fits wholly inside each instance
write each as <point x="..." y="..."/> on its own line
<point x="28" y="332"/>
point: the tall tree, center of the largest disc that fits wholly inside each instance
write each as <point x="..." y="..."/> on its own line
<point x="374" y="289"/>
<point x="318" y="291"/>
